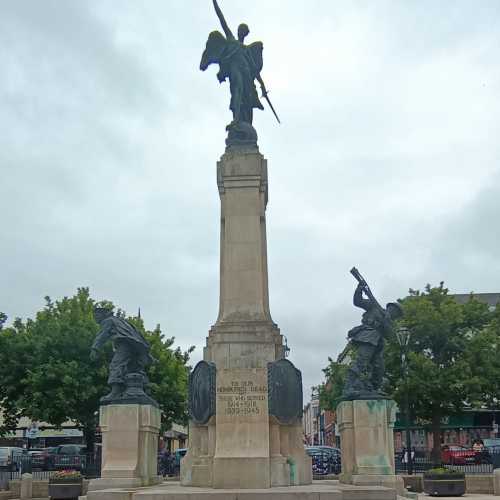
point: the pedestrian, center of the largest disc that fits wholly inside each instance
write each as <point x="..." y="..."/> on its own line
<point x="166" y="462"/>
<point x="481" y="453"/>
<point x="478" y="445"/>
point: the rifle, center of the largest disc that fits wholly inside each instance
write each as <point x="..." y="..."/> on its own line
<point x="366" y="288"/>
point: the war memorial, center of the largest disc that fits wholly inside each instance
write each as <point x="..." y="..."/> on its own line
<point x="245" y="397"/>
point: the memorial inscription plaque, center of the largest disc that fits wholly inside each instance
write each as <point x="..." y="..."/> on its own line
<point x="241" y="398"/>
<point x="242" y="412"/>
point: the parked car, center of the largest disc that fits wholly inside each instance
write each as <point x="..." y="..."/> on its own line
<point x="70" y="449"/>
<point x="178" y="454"/>
<point x="492" y="444"/>
<point x="459" y="455"/>
<point x="39" y="458"/>
<point x="325" y="459"/>
<point x="330" y="450"/>
<point x="492" y="448"/>
<point x="11" y="457"/>
<point x="68" y="456"/>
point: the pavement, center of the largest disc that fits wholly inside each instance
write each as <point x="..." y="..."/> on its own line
<point x="470" y="496"/>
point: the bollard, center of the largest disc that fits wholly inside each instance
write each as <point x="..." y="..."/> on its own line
<point x="496" y="482"/>
<point x="26" y="486"/>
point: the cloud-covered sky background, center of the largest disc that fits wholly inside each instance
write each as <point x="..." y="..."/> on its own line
<point x="388" y="157"/>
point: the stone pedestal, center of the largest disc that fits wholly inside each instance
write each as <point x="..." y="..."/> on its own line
<point x="129" y="446"/>
<point x="241" y="444"/>
<point x="26" y="487"/>
<point x="496" y="482"/>
<point x="367" y="443"/>
<point x="319" y="490"/>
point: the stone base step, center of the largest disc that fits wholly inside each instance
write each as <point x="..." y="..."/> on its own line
<point x="319" y="490"/>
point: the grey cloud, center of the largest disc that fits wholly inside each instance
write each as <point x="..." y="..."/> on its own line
<point x="466" y="253"/>
<point x="386" y="158"/>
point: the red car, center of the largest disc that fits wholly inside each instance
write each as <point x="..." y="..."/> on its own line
<point x="457" y="455"/>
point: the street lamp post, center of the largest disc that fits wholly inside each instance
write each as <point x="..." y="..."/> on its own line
<point x="403" y="336"/>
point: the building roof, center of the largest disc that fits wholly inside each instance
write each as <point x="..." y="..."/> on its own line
<point x="492" y="299"/>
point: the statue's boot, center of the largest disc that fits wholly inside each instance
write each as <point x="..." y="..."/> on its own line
<point x="116" y="393"/>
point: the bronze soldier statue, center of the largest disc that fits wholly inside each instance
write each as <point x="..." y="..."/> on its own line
<point x="127" y="370"/>
<point x="242" y="64"/>
<point x="365" y="375"/>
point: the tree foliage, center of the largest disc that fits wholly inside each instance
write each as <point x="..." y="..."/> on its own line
<point x="453" y="358"/>
<point x="47" y="373"/>
<point x="3" y="319"/>
<point x="483" y="356"/>
<point x="330" y="392"/>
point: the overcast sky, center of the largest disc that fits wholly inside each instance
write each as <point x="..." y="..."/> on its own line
<point x="388" y="157"/>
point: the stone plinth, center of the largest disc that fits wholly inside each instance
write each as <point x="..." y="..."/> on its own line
<point x="319" y="490"/>
<point x="496" y="482"/>
<point x="367" y="443"/>
<point x="129" y="446"/>
<point x="240" y="444"/>
<point x="26" y="487"/>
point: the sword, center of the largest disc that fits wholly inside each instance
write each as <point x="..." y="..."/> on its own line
<point x="264" y="95"/>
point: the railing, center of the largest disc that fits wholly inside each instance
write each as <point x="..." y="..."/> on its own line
<point x="324" y="463"/>
<point x="43" y="467"/>
<point x="464" y="460"/>
<point x="167" y="466"/>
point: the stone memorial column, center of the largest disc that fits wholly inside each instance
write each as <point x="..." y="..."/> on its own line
<point x="242" y="435"/>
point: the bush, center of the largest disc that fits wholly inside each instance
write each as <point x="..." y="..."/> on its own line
<point x="443" y="473"/>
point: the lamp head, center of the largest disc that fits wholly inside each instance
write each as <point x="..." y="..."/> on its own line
<point x="403" y="336"/>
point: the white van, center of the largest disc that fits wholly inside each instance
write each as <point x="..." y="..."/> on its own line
<point x="11" y="457"/>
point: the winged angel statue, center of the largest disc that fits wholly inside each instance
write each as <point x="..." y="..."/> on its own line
<point x="242" y="64"/>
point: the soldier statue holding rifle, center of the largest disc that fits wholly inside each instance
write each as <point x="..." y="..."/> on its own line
<point x="364" y="377"/>
<point x="131" y="355"/>
<point x="242" y="65"/>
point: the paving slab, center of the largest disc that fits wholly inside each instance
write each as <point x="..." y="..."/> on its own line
<point x="467" y="496"/>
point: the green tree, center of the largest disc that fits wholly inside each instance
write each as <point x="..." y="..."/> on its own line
<point x="169" y="376"/>
<point x="3" y="319"/>
<point x="441" y="378"/>
<point x="14" y="360"/>
<point x="50" y="377"/>
<point x="453" y="359"/>
<point x="330" y="392"/>
<point x="484" y="359"/>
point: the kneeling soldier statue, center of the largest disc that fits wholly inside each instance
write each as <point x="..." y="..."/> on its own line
<point x="127" y="370"/>
<point x="365" y="375"/>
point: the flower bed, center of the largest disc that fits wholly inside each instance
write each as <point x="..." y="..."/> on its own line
<point x="65" y="484"/>
<point x="444" y="482"/>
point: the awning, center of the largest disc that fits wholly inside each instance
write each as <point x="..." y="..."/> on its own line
<point x="171" y="434"/>
<point x="49" y="433"/>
